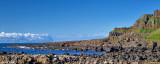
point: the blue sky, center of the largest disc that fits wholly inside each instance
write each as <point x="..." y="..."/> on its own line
<point x="71" y="17"/>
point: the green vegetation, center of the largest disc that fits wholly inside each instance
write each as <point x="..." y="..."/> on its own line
<point x="122" y="31"/>
<point x="139" y="20"/>
<point x="141" y="30"/>
<point x="145" y="17"/>
<point x="147" y="14"/>
<point x="147" y="24"/>
<point x="155" y="36"/>
<point x="157" y="22"/>
<point x="150" y="21"/>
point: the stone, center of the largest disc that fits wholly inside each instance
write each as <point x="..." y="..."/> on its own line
<point x="65" y="53"/>
<point x="100" y="49"/>
<point x="22" y="52"/>
<point x="156" y="12"/>
<point x="115" y="34"/>
<point x="154" y="45"/>
<point x="139" y="45"/>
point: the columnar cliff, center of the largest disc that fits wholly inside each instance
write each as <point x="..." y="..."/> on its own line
<point x="148" y="23"/>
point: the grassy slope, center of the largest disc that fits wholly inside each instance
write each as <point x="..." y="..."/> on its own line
<point x="146" y="30"/>
<point x="157" y="23"/>
<point x="155" y="36"/>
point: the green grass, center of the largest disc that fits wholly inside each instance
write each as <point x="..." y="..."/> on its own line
<point x="150" y="21"/>
<point x="155" y="36"/>
<point x="146" y="30"/>
<point x="157" y="23"/>
<point x="138" y="21"/>
<point x="141" y="30"/>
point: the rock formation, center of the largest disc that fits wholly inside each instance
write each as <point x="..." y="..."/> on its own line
<point x="148" y="21"/>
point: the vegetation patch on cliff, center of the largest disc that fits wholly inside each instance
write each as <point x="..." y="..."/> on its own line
<point x="155" y="36"/>
<point x="141" y="30"/>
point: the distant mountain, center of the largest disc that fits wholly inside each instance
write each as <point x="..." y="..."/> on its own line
<point x="24" y="38"/>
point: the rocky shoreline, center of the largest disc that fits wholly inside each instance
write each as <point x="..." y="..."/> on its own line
<point x="97" y="45"/>
<point x="113" y="55"/>
<point x="127" y="49"/>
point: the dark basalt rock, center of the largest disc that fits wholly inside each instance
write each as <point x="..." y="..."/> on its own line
<point x="130" y="54"/>
<point x="139" y="45"/>
<point x="52" y="54"/>
<point x="2" y="53"/>
<point x="115" y="34"/>
<point x="22" y="52"/>
<point x="154" y="45"/>
<point x="66" y="54"/>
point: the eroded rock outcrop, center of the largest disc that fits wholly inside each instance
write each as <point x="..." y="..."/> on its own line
<point x="115" y="34"/>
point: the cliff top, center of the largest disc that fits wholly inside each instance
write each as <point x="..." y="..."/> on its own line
<point x="148" y="23"/>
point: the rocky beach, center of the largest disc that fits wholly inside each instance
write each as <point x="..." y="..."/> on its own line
<point x="113" y="55"/>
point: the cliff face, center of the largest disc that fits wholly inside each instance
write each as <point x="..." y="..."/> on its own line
<point x="115" y="34"/>
<point x="142" y="21"/>
<point x="146" y="24"/>
<point x="151" y="20"/>
<point x="157" y="13"/>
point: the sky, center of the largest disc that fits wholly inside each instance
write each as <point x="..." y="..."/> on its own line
<point x="72" y="18"/>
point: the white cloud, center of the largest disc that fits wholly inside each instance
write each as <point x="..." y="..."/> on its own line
<point x="41" y="38"/>
<point x="24" y="37"/>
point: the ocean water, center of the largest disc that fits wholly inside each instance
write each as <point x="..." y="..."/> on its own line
<point x="4" y="48"/>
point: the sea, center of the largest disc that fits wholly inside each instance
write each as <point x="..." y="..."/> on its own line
<point x="4" y="48"/>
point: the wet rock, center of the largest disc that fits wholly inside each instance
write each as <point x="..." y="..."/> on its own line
<point x="66" y="54"/>
<point x="51" y="54"/>
<point x="100" y="49"/>
<point x="22" y="52"/>
<point x="74" y="54"/>
<point x="74" y="49"/>
<point x="1" y="53"/>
